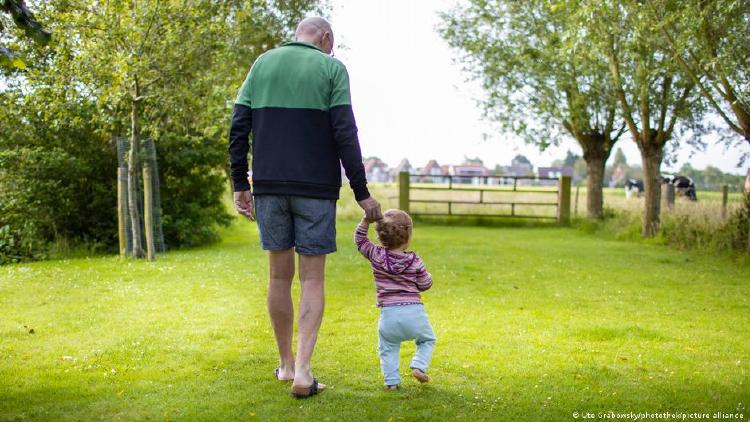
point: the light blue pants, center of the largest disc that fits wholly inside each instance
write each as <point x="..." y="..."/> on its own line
<point x="401" y="323"/>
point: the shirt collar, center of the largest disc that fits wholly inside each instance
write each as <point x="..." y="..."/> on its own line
<point x="303" y="44"/>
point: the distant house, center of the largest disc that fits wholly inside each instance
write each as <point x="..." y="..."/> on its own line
<point x="519" y="166"/>
<point x="404" y="165"/>
<point x="517" y="169"/>
<point x="474" y="173"/>
<point x="376" y="170"/>
<point x="432" y="173"/>
<point x="554" y="171"/>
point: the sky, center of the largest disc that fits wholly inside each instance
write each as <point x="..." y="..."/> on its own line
<point x="411" y="100"/>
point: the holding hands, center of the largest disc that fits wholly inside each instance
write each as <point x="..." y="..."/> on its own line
<point x="372" y="209"/>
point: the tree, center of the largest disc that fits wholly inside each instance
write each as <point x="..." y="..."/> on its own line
<point x="474" y="160"/>
<point x="709" y="41"/>
<point x="25" y="20"/>
<point x="133" y="55"/>
<point x="56" y="166"/>
<point x="620" y="158"/>
<point x="712" y="178"/>
<point x="652" y="92"/>
<point x="148" y="58"/>
<point x="570" y="159"/>
<point x="580" y="169"/>
<point x="127" y="53"/>
<point x="188" y="59"/>
<point x="520" y="159"/>
<point x="542" y="79"/>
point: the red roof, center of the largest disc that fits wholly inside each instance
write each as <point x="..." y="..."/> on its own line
<point x="430" y="165"/>
<point x="372" y="163"/>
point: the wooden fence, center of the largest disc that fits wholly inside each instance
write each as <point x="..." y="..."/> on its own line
<point x="483" y="185"/>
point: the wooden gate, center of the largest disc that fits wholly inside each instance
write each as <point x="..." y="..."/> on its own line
<point x="558" y="190"/>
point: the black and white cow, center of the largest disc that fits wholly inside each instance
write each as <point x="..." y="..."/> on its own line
<point x="683" y="185"/>
<point x="633" y="187"/>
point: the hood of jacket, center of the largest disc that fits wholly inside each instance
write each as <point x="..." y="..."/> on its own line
<point x="398" y="263"/>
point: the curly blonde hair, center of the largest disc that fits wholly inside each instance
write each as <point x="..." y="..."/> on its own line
<point x="394" y="229"/>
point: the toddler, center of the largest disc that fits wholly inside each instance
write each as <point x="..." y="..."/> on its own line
<point x="400" y="276"/>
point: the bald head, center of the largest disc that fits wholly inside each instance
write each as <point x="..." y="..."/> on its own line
<point x="316" y="30"/>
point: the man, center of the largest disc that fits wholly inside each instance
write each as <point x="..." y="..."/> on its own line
<point x="296" y="102"/>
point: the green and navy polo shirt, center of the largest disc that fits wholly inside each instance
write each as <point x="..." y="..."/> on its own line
<point x="297" y="104"/>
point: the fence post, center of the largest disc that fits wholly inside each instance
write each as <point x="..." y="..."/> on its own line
<point x="563" y="200"/>
<point x="667" y="192"/>
<point x="122" y="189"/>
<point x="575" y="213"/>
<point x="724" y="200"/>
<point x="148" y="211"/>
<point x="403" y="191"/>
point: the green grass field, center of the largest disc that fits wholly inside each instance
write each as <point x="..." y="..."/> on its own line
<point x="532" y="324"/>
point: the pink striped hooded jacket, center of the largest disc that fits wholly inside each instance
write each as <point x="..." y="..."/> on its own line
<point x="399" y="277"/>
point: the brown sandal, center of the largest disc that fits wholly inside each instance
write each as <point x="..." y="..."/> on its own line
<point x="301" y="392"/>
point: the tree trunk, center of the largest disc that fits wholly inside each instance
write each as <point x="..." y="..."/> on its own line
<point x="133" y="158"/>
<point x="594" y="182"/>
<point x="743" y="117"/>
<point x="596" y="149"/>
<point x="651" y="156"/>
<point x="744" y="121"/>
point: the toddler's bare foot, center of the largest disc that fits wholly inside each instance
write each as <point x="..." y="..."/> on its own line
<point x="419" y="375"/>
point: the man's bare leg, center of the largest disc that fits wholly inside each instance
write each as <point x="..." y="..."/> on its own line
<point x="281" y="308"/>
<point x="311" y="304"/>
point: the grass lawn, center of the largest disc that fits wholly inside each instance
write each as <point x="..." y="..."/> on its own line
<point x="532" y="324"/>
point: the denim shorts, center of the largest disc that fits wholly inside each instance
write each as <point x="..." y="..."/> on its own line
<point x="307" y="224"/>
